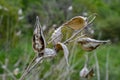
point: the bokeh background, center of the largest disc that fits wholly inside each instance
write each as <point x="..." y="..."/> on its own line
<point x="17" y="19"/>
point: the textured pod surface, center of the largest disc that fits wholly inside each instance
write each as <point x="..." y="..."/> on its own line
<point x="56" y="36"/>
<point x="49" y="52"/>
<point x="76" y="23"/>
<point x="89" y="44"/>
<point x="84" y="72"/>
<point x="38" y="41"/>
<point x="68" y="29"/>
<point x="65" y="50"/>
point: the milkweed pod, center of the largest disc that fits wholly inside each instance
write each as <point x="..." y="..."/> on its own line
<point x="76" y="23"/>
<point x="56" y="36"/>
<point x="89" y="44"/>
<point x="84" y="72"/>
<point x="49" y="52"/>
<point x="67" y="29"/>
<point x="38" y="40"/>
<point x="62" y="46"/>
<point x="90" y="74"/>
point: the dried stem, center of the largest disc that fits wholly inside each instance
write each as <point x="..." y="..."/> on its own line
<point x="97" y="66"/>
<point x="107" y="64"/>
<point x="29" y="69"/>
<point x="73" y="36"/>
<point x="94" y="16"/>
<point x="86" y="62"/>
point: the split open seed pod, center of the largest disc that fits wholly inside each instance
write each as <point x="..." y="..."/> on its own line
<point x="38" y="40"/>
<point x="62" y="46"/>
<point x="72" y="26"/>
<point x="76" y="23"/>
<point x="84" y="72"/>
<point x="89" y="44"/>
<point x="49" y="52"/>
<point x="68" y="29"/>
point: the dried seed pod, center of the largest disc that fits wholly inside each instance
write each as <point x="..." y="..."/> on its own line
<point x="49" y="52"/>
<point x="68" y="29"/>
<point x="56" y="36"/>
<point x="62" y="46"/>
<point x="76" y="23"/>
<point x="90" y="74"/>
<point x="84" y="72"/>
<point x="89" y="44"/>
<point x="38" y="41"/>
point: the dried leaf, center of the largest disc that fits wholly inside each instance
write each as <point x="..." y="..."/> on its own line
<point x="38" y="41"/>
<point x="76" y="23"/>
<point x="65" y="50"/>
<point x="89" y="44"/>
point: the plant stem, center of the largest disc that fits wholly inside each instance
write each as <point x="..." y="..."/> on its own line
<point x="97" y="66"/>
<point x="107" y="64"/>
<point x="29" y="69"/>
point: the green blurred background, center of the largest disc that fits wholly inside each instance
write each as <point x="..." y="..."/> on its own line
<point x="17" y="18"/>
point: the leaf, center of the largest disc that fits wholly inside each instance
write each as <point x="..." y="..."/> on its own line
<point x="56" y="36"/>
<point x="76" y="23"/>
<point x="38" y="41"/>
<point x="65" y="50"/>
<point x="89" y="44"/>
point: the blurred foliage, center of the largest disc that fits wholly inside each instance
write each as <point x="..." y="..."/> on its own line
<point x="17" y="18"/>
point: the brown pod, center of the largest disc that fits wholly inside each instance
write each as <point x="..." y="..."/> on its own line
<point x="89" y="44"/>
<point x="38" y="41"/>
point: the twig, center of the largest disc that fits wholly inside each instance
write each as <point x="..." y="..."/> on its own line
<point x="73" y="36"/>
<point x="77" y="38"/>
<point x="94" y="16"/>
<point x="33" y="60"/>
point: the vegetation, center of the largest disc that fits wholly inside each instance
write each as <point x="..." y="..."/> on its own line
<point x="17" y="19"/>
